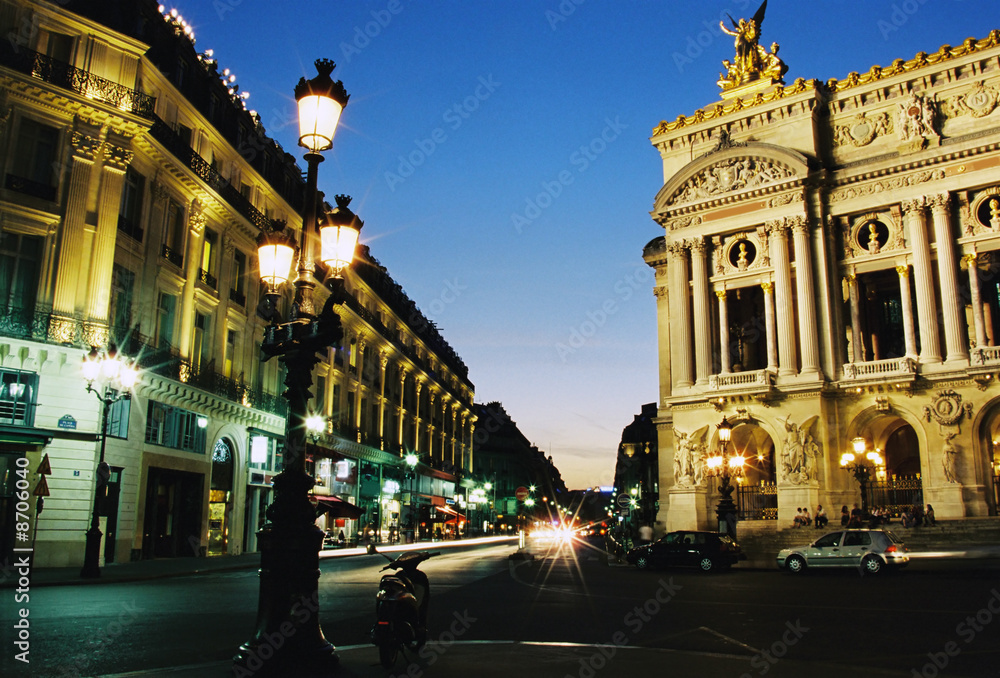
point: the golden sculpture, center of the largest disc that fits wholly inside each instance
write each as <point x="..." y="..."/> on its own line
<point x="752" y="61"/>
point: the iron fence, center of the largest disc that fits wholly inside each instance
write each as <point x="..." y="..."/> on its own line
<point x="758" y="502"/>
<point x="895" y="494"/>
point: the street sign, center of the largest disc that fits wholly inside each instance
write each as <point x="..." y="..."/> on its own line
<point x="623" y="500"/>
<point x="521" y="493"/>
<point x="44" y="468"/>
<point x="42" y="488"/>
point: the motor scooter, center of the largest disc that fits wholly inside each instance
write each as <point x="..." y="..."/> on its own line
<point x="401" y="606"/>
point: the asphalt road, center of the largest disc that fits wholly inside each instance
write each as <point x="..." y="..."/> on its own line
<point x="933" y="618"/>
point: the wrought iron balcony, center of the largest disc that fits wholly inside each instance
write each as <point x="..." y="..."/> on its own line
<point x="238" y="298"/>
<point x="173" y="256"/>
<point x="208" y="279"/>
<point x="29" y="187"/>
<point x="82" y="82"/>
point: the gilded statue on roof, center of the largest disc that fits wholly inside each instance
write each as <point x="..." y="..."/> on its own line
<point x="752" y="62"/>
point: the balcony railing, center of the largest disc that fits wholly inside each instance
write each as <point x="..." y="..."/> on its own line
<point x="42" y="325"/>
<point x="881" y="369"/>
<point x="985" y="355"/>
<point x="238" y="298"/>
<point x="173" y="256"/>
<point x="29" y="187"/>
<point x="180" y="148"/>
<point x="208" y="279"/>
<point x="755" y="379"/>
<point x="76" y="80"/>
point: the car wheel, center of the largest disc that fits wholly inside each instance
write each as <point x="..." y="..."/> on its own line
<point x="642" y="563"/>
<point x="706" y="564"/>
<point x="795" y="564"/>
<point x="871" y="565"/>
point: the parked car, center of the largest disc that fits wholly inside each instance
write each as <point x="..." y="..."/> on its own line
<point x="705" y="550"/>
<point x="871" y="550"/>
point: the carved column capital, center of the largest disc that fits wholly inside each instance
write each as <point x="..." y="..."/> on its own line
<point x="850" y="278"/>
<point x="768" y="287"/>
<point x="116" y="157"/>
<point x="971" y="260"/>
<point x="197" y="219"/>
<point x="903" y="271"/>
<point x="721" y="294"/>
<point x="660" y="293"/>
<point x="85" y="147"/>
<point x="697" y="245"/>
<point x="677" y="249"/>
<point x="914" y="205"/>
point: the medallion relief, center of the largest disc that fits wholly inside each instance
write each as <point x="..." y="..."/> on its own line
<point x="729" y="176"/>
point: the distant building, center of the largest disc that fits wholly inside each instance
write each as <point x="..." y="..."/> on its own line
<point x="135" y="182"/>
<point x="828" y="273"/>
<point x="637" y="469"/>
<point x="507" y="459"/>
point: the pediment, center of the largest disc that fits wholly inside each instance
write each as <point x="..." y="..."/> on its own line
<point x="730" y="171"/>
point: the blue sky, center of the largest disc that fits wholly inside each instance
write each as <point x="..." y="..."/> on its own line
<point x="499" y="155"/>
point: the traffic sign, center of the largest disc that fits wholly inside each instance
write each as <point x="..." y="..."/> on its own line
<point x="42" y="488"/>
<point x="521" y="493"/>
<point x="44" y="468"/>
<point x="623" y="500"/>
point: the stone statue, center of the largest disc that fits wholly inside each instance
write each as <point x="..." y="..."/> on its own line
<point x="948" y="453"/>
<point x="742" y="259"/>
<point x="683" y="474"/>
<point x="799" y="452"/>
<point x="995" y="214"/>
<point x="873" y="246"/>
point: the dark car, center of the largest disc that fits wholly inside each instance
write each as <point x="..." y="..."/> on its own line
<point x="705" y="550"/>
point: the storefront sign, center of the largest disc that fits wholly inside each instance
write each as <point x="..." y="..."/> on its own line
<point x="66" y="421"/>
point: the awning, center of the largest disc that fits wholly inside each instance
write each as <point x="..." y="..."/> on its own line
<point x="336" y="507"/>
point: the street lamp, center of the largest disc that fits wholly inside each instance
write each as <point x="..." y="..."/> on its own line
<point x="290" y="540"/>
<point x="725" y="466"/>
<point x="862" y="465"/>
<point x="411" y="460"/>
<point x="118" y="376"/>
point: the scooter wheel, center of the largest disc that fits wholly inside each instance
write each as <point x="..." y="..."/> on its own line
<point x="387" y="654"/>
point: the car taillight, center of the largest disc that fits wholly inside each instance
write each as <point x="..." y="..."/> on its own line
<point x="891" y="549"/>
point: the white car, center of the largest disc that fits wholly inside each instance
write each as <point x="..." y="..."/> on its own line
<point x="870" y="550"/>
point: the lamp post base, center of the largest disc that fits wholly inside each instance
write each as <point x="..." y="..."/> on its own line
<point x="289" y="640"/>
<point x="92" y="554"/>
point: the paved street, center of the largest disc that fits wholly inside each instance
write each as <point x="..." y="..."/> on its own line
<point x="754" y="621"/>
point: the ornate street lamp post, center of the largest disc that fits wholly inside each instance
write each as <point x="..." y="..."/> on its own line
<point x="862" y="465"/>
<point x="725" y="466"/>
<point x="288" y="639"/>
<point x="411" y="460"/>
<point x="119" y="377"/>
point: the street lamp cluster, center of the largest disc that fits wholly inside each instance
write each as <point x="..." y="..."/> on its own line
<point x="290" y="540"/>
<point x="117" y="376"/>
<point x="725" y="466"/>
<point x="863" y="465"/>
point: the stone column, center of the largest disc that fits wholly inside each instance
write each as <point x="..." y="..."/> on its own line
<point x="772" y="341"/>
<point x="681" y="355"/>
<point x="192" y="272"/>
<point x="909" y="336"/>
<point x="724" y="354"/>
<point x="806" y="297"/>
<point x="787" y="361"/>
<point x="972" y="264"/>
<point x="948" y="278"/>
<point x="383" y="362"/>
<point x="702" y="314"/>
<point x="402" y="408"/>
<point x="71" y="254"/>
<point x="102" y="262"/>
<point x="416" y="419"/>
<point x="857" y="341"/>
<point x="930" y="348"/>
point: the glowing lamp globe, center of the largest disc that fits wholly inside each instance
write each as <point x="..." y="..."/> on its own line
<point x="275" y="252"/>
<point x="320" y="101"/>
<point x="339" y="233"/>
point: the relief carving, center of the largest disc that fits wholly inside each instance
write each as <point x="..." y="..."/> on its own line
<point x="916" y="118"/>
<point x="731" y="175"/>
<point x="978" y="102"/>
<point x="862" y="130"/>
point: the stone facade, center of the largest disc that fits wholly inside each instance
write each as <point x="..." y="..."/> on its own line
<point x="135" y="182"/>
<point x="828" y="272"/>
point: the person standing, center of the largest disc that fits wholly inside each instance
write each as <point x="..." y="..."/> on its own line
<point x="845" y="517"/>
<point x="929" y="516"/>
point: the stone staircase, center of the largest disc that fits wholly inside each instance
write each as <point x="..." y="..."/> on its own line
<point x="761" y="539"/>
